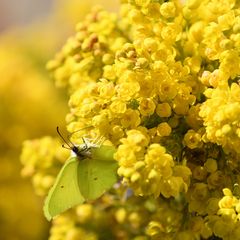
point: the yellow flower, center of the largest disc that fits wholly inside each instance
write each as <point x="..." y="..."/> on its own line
<point x="192" y="139"/>
<point x="142" y="3"/>
<point x="118" y="106"/>
<point x="167" y="90"/>
<point x="211" y="165"/>
<point x="226" y="21"/>
<point x="130" y="119"/>
<point x="127" y="90"/>
<point x="106" y="89"/>
<point x="168" y="9"/>
<point x="163" y="110"/>
<point x="163" y="129"/>
<point x="150" y="44"/>
<point x="146" y="106"/>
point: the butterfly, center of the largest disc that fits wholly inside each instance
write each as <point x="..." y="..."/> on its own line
<point x="85" y="176"/>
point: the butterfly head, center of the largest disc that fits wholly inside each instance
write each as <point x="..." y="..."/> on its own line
<point x="81" y="151"/>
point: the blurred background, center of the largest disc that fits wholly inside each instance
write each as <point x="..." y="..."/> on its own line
<point x="31" y="32"/>
<point x="13" y="12"/>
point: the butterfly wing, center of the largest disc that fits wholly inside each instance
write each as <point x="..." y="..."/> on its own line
<point x="65" y="192"/>
<point x="95" y="177"/>
<point x="103" y="153"/>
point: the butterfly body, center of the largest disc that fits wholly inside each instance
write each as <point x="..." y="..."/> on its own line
<point x="84" y="150"/>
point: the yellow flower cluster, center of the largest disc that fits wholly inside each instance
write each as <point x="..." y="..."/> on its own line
<point x="220" y="113"/>
<point x="84" y="56"/>
<point x="228" y="216"/>
<point x="160" y="83"/>
<point x="149" y="170"/>
<point x="229" y="205"/>
<point x="129" y="219"/>
<point x="42" y="159"/>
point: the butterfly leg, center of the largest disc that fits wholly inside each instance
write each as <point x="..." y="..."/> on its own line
<point x="99" y="140"/>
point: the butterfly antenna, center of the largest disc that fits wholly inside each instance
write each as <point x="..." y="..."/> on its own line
<point x="66" y="147"/>
<point x="70" y="147"/>
<point x="69" y="135"/>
